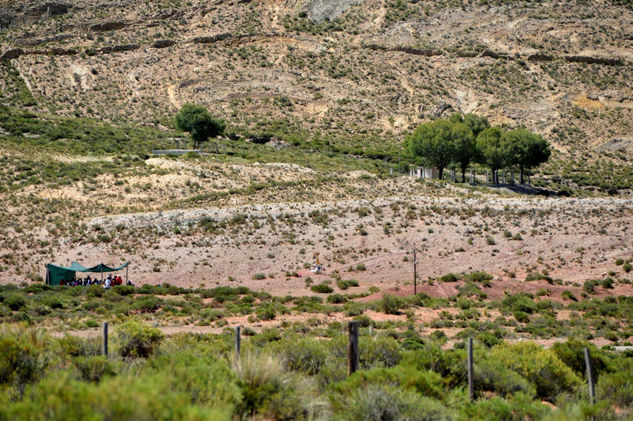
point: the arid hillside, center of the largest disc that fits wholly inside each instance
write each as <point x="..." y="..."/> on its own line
<point x="351" y="73"/>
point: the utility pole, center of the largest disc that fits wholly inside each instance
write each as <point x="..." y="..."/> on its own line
<point x="415" y="272"/>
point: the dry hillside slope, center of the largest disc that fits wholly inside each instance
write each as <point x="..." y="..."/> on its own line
<point x="348" y="70"/>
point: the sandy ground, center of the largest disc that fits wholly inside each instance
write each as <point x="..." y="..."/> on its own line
<point x="570" y="240"/>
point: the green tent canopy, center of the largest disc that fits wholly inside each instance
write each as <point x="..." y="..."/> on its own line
<point x="55" y="274"/>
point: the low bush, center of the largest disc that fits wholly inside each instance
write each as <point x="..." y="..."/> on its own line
<point x="133" y="339"/>
<point x="390" y="304"/>
<point x="93" y="369"/>
<point x="336" y="299"/>
<point x="449" y="277"/>
<point x="271" y="392"/>
<point x="15" y="302"/>
<point x="617" y="387"/>
<point x="377" y="402"/>
<point x="25" y="355"/>
<point x="478" y="276"/>
<point x="539" y="366"/>
<point x="322" y="288"/>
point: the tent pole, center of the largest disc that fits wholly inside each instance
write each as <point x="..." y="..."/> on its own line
<point x="127" y="279"/>
<point x="101" y="275"/>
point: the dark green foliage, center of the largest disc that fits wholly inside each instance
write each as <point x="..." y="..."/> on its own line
<point x="147" y="304"/>
<point x="267" y="311"/>
<point x="449" y="277"/>
<point x="478" y="276"/>
<point x="435" y="143"/>
<point x="525" y="149"/>
<point x="491" y="151"/>
<point x="322" y="288"/>
<point x="198" y="122"/>
<point x="336" y="299"/>
<point x="462" y="140"/>
<point x="571" y="353"/>
<point x="14" y="302"/>
<point x="518" y="302"/>
<point x="345" y="284"/>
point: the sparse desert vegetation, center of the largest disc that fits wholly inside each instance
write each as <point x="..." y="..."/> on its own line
<point x="302" y="216"/>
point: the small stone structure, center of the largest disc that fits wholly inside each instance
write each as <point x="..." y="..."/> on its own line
<point x="425" y="173"/>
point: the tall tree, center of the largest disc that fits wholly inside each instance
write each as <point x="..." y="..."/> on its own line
<point x="464" y="142"/>
<point x="196" y="120"/>
<point x="491" y="151"/>
<point x="433" y="144"/>
<point x="476" y="123"/>
<point x="466" y="150"/>
<point x="525" y="149"/>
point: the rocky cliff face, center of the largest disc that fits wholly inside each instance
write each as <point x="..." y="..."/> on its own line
<point x="348" y="70"/>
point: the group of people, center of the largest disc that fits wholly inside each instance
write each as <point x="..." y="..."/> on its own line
<point x="110" y="281"/>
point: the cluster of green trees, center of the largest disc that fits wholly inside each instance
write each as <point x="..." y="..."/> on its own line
<point x="464" y="139"/>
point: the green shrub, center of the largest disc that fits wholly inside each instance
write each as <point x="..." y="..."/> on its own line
<point x="266" y="311"/>
<point x="25" y="355"/>
<point x="304" y="355"/>
<point x="517" y="408"/>
<point x="427" y="383"/>
<point x="449" y="277"/>
<point x="336" y="299"/>
<point x="269" y="391"/>
<point x="197" y="371"/>
<point x="364" y="320"/>
<point x="571" y="353"/>
<point x="627" y="267"/>
<point x="539" y="366"/>
<point x="390" y="304"/>
<point x="345" y="284"/>
<point x="518" y="302"/>
<point x="378" y="402"/>
<point x="617" y="387"/>
<point x="381" y="351"/>
<point x="478" y="276"/>
<point x="124" y="398"/>
<point x="492" y="375"/>
<point x="15" y="302"/>
<point x="147" y="304"/>
<point x="133" y="339"/>
<point x="322" y="288"/>
<point x="259" y="276"/>
<point x="93" y="369"/>
<point x="521" y="317"/>
<point x="75" y="346"/>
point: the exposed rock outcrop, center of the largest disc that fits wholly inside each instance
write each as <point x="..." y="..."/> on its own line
<point x="108" y="26"/>
<point x="163" y="43"/>
<point x="322" y="10"/>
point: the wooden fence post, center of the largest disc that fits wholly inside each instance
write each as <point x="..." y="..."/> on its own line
<point x="352" y="349"/>
<point x="105" y="339"/>
<point x="471" y="385"/>
<point x="238" y="342"/>
<point x="592" y="392"/>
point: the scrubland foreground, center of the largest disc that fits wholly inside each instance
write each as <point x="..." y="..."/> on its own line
<point x="293" y="362"/>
